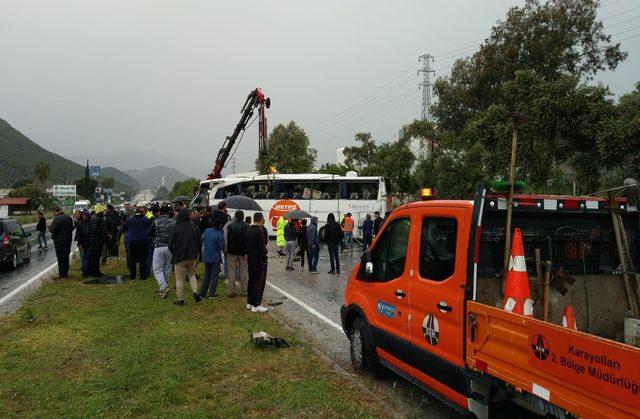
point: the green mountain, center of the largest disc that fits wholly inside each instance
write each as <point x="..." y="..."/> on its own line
<point x="19" y="155"/>
<point x="121" y="178"/>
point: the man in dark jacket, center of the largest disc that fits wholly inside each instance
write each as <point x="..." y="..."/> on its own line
<point x="185" y="244"/>
<point x="236" y="255"/>
<point x="138" y="237"/>
<point x="313" y="245"/>
<point x="41" y="228"/>
<point x="333" y="238"/>
<point x="367" y="232"/>
<point x="98" y="237"/>
<point x="82" y="238"/>
<point x="220" y="214"/>
<point x="291" y="237"/>
<point x="256" y="239"/>
<point x="112" y="218"/>
<point x="205" y="220"/>
<point x="377" y="223"/>
<point x="61" y="229"/>
<point x="302" y="241"/>
<point x="161" y="231"/>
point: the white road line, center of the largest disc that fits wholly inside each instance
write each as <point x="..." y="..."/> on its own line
<point x="37" y="277"/>
<point x="307" y="307"/>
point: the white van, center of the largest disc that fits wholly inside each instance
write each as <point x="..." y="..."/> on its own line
<point x="83" y="204"/>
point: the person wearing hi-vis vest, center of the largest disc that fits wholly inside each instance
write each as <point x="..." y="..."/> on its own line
<point x="280" y="240"/>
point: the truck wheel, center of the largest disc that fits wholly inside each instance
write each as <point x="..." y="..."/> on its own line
<point x="363" y="352"/>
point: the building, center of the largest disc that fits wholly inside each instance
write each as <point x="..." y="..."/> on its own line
<point x="10" y="206"/>
<point x="340" y="157"/>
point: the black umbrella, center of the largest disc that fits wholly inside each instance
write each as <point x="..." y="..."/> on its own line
<point x="242" y="203"/>
<point x="181" y="198"/>
<point x="297" y="215"/>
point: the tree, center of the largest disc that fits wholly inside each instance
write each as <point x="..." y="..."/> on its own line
<point x="21" y="183"/>
<point x="362" y="157"/>
<point x="289" y="151"/>
<point x="333" y="169"/>
<point x="36" y="196"/>
<point x="41" y="172"/>
<point x="90" y="188"/>
<point x="86" y="186"/>
<point x="185" y="187"/>
<point x="107" y="182"/>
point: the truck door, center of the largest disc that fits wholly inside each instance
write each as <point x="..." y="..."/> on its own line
<point x="386" y="292"/>
<point x="437" y="299"/>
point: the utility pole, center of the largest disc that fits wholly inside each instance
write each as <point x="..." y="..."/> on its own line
<point x="233" y="165"/>
<point x="516" y="118"/>
<point x="426" y="85"/>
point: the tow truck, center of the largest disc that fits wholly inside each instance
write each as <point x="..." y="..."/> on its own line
<point x="426" y="302"/>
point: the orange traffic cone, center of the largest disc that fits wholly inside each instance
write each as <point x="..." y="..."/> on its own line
<point x="516" y="293"/>
<point x="569" y="318"/>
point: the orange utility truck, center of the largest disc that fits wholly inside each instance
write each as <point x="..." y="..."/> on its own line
<point x="427" y="301"/>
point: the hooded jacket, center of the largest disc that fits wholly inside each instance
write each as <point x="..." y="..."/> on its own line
<point x="185" y="241"/>
<point x="312" y="233"/>
<point x="332" y="231"/>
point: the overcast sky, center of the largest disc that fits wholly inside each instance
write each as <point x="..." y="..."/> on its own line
<point x="139" y="83"/>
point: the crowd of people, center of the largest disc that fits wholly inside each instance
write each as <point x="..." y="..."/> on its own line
<point x="166" y="240"/>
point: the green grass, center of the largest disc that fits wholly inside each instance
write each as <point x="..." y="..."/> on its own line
<point x="32" y="218"/>
<point x="119" y="350"/>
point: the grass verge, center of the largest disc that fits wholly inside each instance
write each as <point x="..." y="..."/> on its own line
<point x="119" y="350"/>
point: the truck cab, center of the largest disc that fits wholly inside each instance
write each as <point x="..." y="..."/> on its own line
<point x="425" y="302"/>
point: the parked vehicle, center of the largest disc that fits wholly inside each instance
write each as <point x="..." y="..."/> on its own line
<point x="81" y="205"/>
<point x="426" y="302"/>
<point x="14" y="243"/>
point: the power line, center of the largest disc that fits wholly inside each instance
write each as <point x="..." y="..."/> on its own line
<point x="624" y="21"/>
<point x="610" y="3"/>
<point x="621" y="13"/>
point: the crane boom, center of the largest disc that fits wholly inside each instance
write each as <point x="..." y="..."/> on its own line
<point x="256" y="99"/>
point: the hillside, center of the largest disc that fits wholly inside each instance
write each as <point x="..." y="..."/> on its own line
<point x="152" y="177"/>
<point x="18" y="156"/>
<point x="121" y="178"/>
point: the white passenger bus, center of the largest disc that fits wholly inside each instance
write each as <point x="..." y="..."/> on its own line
<point x="318" y="194"/>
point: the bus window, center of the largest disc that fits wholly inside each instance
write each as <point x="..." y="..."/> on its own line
<point x="294" y="190"/>
<point x="326" y="189"/>
<point x="248" y="189"/>
<point x="264" y="190"/>
<point x="226" y="191"/>
<point x="354" y="190"/>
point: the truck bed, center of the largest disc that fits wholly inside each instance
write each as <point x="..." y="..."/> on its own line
<point x="564" y="367"/>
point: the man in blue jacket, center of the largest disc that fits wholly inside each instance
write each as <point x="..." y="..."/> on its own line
<point x="213" y="247"/>
<point x="138" y="234"/>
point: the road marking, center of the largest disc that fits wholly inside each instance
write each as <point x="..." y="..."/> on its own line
<point x="31" y="280"/>
<point x="307" y="307"/>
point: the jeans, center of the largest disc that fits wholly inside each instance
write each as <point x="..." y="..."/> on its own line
<point x="291" y="252"/>
<point x="210" y="281"/>
<point x="42" y="235"/>
<point x="348" y="240"/>
<point x="257" y="278"/>
<point x="314" y="255"/>
<point x="63" y="248"/>
<point x="162" y="266"/>
<point x="237" y="265"/>
<point x="333" y="257"/>
<point x="186" y="267"/>
<point x="138" y="255"/>
<point x="84" y="258"/>
<point x="366" y="242"/>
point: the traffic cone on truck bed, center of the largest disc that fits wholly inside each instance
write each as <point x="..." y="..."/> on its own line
<point x="517" y="297"/>
<point x="569" y="318"/>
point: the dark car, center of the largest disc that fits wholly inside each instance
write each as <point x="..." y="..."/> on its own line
<point x="14" y="243"/>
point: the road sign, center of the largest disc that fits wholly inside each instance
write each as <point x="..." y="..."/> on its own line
<point x="94" y="170"/>
<point x="64" y="191"/>
<point x="108" y="191"/>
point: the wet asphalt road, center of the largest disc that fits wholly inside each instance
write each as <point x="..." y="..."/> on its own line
<point x="40" y="260"/>
<point x="324" y="293"/>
